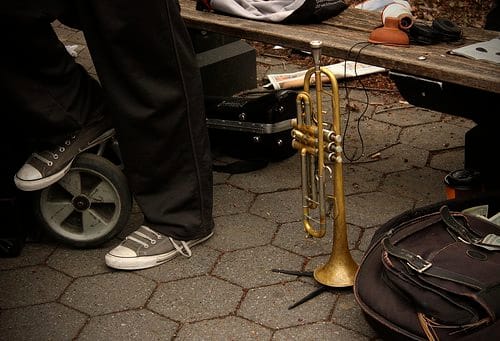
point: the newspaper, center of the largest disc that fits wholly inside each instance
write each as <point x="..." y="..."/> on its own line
<point x="340" y="70"/>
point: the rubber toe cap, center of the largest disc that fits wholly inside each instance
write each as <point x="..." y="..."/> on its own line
<point x="28" y="173"/>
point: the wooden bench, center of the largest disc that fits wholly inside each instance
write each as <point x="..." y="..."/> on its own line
<point x="340" y="35"/>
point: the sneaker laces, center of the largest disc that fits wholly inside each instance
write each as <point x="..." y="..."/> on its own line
<point x="183" y="248"/>
<point x="60" y="149"/>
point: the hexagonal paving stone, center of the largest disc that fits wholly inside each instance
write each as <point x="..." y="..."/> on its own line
<point x="241" y="231"/>
<point x="276" y="176"/>
<point x="195" y="299"/>
<point x="376" y="136"/>
<point x="398" y="157"/>
<point x="201" y="262"/>
<point x="129" y="325"/>
<point x="359" y="179"/>
<point x="228" y="328"/>
<point x="31" y="285"/>
<point x="269" y="305"/>
<point x="49" y="321"/>
<point x="419" y="184"/>
<point x="31" y="254"/>
<point x="253" y="267"/>
<point x="371" y="209"/>
<point x="231" y="200"/>
<point x="82" y="263"/>
<point x="405" y="116"/>
<point x="459" y="121"/>
<point x="448" y="160"/>
<point x="281" y="207"/>
<point x="320" y="331"/>
<point x="107" y="293"/>
<point x="434" y="136"/>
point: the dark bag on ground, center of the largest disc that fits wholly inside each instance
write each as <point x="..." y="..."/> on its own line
<point x="253" y="126"/>
<point x="434" y="274"/>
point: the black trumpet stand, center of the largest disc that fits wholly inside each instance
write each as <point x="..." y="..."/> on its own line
<point x="308" y="297"/>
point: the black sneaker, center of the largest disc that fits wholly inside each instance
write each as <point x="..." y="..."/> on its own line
<point x="146" y="248"/>
<point x="42" y="169"/>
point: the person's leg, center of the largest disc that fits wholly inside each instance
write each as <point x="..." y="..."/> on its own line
<point x="146" y="64"/>
<point x="52" y="94"/>
<point x="48" y="94"/>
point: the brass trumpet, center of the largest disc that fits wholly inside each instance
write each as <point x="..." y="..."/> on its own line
<point x="319" y="143"/>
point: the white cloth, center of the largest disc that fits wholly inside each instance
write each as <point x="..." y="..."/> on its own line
<point x="264" y="10"/>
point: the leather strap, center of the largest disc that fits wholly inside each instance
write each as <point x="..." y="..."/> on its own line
<point x="423" y="266"/>
<point x="489" y="242"/>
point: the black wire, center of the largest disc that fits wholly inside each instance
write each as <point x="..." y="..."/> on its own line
<point x="348" y="110"/>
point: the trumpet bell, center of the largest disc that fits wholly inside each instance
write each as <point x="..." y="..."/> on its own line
<point x="339" y="271"/>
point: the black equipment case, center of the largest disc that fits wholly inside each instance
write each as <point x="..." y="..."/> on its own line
<point x="253" y="125"/>
<point x="430" y="274"/>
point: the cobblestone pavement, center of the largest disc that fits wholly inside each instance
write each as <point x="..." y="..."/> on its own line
<point x="226" y="290"/>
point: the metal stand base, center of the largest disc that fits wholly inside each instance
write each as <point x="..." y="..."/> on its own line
<point x="313" y="294"/>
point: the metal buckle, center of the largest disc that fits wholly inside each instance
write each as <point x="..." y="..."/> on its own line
<point x="419" y="264"/>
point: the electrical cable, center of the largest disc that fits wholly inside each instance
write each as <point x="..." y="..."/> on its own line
<point x="348" y="106"/>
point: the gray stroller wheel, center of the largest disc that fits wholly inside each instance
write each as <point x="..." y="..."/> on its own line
<point x="88" y="206"/>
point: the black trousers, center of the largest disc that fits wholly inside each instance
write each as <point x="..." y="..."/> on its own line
<point x="149" y="83"/>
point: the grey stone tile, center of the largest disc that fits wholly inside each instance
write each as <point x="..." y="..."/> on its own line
<point x="31" y="285"/>
<point x="252" y="267"/>
<point x="292" y="237"/>
<point x="49" y="321"/>
<point x="434" y="136"/>
<point x="319" y="331"/>
<point x="371" y="209"/>
<point x="268" y="306"/>
<point x="129" y="325"/>
<point x="276" y="176"/>
<point x="108" y="293"/>
<point x="281" y="207"/>
<point x="201" y="262"/>
<point x="241" y="231"/>
<point x="398" y="157"/>
<point x="227" y="328"/>
<point x="424" y="185"/>
<point x="82" y="263"/>
<point x="195" y="299"/>
<point x="31" y="254"/>
<point x="368" y="138"/>
<point x="449" y="160"/>
<point x="404" y="115"/>
<point x="359" y="179"/>
<point x="459" y="121"/>
<point x="231" y="200"/>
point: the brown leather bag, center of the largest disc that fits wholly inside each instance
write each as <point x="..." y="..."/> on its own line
<point x="433" y="274"/>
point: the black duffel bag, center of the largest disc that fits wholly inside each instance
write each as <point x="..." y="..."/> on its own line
<point x="434" y="274"/>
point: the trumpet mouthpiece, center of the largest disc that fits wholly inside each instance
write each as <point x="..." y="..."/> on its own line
<point x="316" y="50"/>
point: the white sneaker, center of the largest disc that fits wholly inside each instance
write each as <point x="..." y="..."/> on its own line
<point x="145" y="248"/>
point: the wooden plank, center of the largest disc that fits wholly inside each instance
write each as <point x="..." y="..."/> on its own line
<point x="346" y="37"/>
